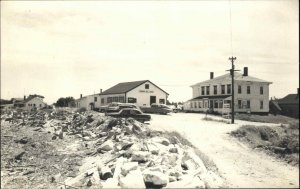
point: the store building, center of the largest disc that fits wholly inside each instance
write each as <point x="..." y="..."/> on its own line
<point x="141" y="93"/>
<point x="251" y="95"/>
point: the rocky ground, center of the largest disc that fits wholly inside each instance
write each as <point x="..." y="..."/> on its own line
<point x="65" y="149"/>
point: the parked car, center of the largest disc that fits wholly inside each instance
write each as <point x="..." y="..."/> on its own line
<point x="131" y="112"/>
<point x="109" y="107"/>
<point x="174" y="108"/>
<point x="157" y="109"/>
<point x="122" y="106"/>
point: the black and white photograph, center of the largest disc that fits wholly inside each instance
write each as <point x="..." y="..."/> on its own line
<point x="149" y="94"/>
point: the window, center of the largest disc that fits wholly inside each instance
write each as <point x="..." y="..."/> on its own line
<point x="202" y="90"/>
<point x="134" y="112"/>
<point x="95" y="99"/>
<point x="261" y="104"/>
<point x="199" y="104"/>
<point x="240" y="89"/>
<point x="115" y="99"/>
<point x="222" y="89"/>
<point x="261" y="90"/>
<point x="216" y="104"/>
<point x="102" y="100"/>
<point x="248" y="103"/>
<point x="215" y="89"/>
<point x="248" y="90"/>
<point x="131" y="100"/>
<point x="40" y="105"/>
<point x="228" y="89"/>
<point x="191" y="104"/>
<point x="205" y="104"/>
<point x="109" y="99"/>
<point x="121" y="99"/>
<point x="195" y="104"/>
<point x="162" y="101"/>
<point x="239" y="104"/>
<point x="207" y="90"/>
<point x="146" y="86"/>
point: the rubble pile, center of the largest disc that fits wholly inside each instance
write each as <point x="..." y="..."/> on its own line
<point x="124" y="153"/>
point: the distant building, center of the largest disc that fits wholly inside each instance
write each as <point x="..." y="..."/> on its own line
<point x="288" y="105"/>
<point x="29" y="103"/>
<point x="251" y="94"/>
<point x="141" y="93"/>
<point x="34" y="102"/>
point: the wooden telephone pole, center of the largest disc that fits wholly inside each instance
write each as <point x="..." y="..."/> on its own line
<point x="232" y="70"/>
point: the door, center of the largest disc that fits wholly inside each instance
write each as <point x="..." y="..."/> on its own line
<point x="211" y="104"/>
<point x="152" y="99"/>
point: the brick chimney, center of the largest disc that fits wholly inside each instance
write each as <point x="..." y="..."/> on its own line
<point x="245" y="71"/>
<point x="24" y="97"/>
<point x="80" y="95"/>
<point x="211" y="75"/>
<point x="100" y="91"/>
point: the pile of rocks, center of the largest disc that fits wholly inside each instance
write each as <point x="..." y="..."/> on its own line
<point x="125" y="154"/>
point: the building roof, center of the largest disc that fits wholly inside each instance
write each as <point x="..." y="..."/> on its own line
<point x="289" y="99"/>
<point x="30" y="97"/>
<point x="215" y="97"/>
<point x="125" y="87"/>
<point x="237" y="77"/>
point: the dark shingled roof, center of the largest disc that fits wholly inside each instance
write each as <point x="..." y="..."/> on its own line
<point x="289" y="99"/>
<point x="125" y="87"/>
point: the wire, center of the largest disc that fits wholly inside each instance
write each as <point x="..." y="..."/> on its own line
<point x="230" y="23"/>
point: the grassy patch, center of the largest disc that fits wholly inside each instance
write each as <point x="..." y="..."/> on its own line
<point x="267" y="118"/>
<point x="216" y="120"/>
<point x="281" y="142"/>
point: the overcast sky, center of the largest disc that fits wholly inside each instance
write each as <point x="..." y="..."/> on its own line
<point x="68" y="48"/>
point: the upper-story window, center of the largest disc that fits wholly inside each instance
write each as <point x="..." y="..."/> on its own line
<point x="146" y="86"/>
<point x="207" y="90"/>
<point x="248" y="90"/>
<point x="102" y="100"/>
<point x="229" y="89"/>
<point x="222" y="89"/>
<point x="261" y="104"/>
<point x="202" y="90"/>
<point x="261" y="90"/>
<point x="95" y="99"/>
<point x="215" y="89"/>
<point x="239" y="89"/>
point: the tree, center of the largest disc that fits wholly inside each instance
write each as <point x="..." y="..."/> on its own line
<point x="64" y="102"/>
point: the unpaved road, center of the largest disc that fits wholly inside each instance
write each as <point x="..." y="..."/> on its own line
<point x="239" y="165"/>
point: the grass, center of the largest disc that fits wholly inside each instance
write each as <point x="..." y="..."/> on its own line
<point x="216" y="120"/>
<point x="281" y="142"/>
<point x="266" y="118"/>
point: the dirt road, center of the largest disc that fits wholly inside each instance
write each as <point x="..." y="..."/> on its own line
<point x="239" y="165"/>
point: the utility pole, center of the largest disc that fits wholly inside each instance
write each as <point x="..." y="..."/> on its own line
<point x="232" y="59"/>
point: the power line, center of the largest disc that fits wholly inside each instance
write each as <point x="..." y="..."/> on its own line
<point x="230" y="23"/>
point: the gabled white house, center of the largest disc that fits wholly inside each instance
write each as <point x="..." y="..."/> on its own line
<point x="141" y="93"/>
<point x="250" y="94"/>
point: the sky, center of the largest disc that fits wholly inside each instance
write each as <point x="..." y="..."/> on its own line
<point x="67" y="48"/>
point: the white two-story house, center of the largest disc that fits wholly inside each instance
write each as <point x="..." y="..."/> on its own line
<point x="251" y="95"/>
